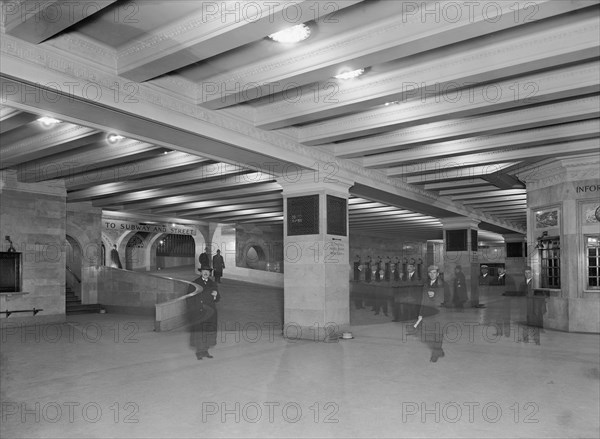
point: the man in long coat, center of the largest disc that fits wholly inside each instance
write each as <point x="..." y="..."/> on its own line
<point x="435" y="292"/>
<point x="203" y="315"/>
<point x="218" y="266"/>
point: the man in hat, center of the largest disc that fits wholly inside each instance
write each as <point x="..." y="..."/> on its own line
<point x="205" y="258"/>
<point x="484" y="276"/>
<point x="526" y="287"/>
<point x="435" y="292"/>
<point x="203" y="330"/>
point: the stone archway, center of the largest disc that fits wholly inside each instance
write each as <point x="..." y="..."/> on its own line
<point x="255" y="257"/>
<point x="134" y="251"/>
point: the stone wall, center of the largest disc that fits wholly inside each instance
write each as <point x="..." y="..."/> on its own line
<point x="34" y="216"/>
<point x="83" y="229"/>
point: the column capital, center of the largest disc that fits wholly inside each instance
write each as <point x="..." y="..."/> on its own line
<point x="459" y="222"/>
<point x="311" y="181"/>
<point x="557" y="171"/>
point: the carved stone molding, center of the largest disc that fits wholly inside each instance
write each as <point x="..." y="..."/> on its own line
<point x="560" y="171"/>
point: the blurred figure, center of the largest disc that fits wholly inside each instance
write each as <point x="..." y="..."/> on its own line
<point x="507" y="281"/>
<point x="115" y="261"/>
<point x="404" y="296"/>
<point x="484" y="276"/>
<point x="205" y="258"/>
<point x="483" y="287"/>
<point x="526" y="287"/>
<point x="459" y="287"/>
<point x="203" y="329"/>
<point x="218" y="266"/>
<point x="435" y="292"/>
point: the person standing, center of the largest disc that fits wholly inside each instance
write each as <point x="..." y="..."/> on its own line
<point x="203" y="329"/>
<point x="115" y="261"/>
<point x="526" y="287"/>
<point x="205" y="258"/>
<point x="484" y="277"/>
<point x="483" y="288"/>
<point x="435" y="292"/>
<point x="459" y="289"/>
<point x="218" y="265"/>
<point x="404" y="296"/>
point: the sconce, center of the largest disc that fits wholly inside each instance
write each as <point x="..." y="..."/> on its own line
<point x="540" y="239"/>
<point x="11" y="249"/>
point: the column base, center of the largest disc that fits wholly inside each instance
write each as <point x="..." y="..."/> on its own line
<point x="317" y="333"/>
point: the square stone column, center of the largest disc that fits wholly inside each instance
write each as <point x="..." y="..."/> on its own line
<point x="460" y="241"/>
<point x="317" y="261"/>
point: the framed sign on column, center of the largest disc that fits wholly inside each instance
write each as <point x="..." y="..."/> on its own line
<point x="336" y="216"/>
<point x="303" y="215"/>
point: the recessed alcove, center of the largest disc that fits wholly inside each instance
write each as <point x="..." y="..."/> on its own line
<point x="10" y="272"/>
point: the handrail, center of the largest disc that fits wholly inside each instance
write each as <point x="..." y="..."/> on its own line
<point x="74" y="275"/>
<point x="34" y="311"/>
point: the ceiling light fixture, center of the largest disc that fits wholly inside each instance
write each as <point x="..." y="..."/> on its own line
<point x="114" y="138"/>
<point x="48" y="121"/>
<point x="293" y="34"/>
<point x="351" y="74"/>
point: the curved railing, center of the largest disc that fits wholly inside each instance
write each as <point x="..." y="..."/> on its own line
<point x="130" y="292"/>
<point x="175" y="313"/>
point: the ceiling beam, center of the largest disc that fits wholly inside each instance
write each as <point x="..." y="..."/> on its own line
<point x="36" y="21"/>
<point x="478" y="59"/>
<point x="520" y="119"/>
<point x="456" y="148"/>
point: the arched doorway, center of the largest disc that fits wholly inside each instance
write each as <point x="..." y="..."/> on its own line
<point x="74" y="257"/>
<point x="134" y="251"/>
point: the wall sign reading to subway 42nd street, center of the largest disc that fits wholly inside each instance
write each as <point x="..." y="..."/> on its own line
<point x="123" y="226"/>
<point x="303" y="215"/>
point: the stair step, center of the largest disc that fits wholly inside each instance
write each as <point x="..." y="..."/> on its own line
<point x="83" y="309"/>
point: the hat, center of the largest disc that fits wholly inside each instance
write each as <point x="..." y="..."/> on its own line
<point x="528" y="268"/>
<point x="484" y="266"/>
<point x="205" y="267"/>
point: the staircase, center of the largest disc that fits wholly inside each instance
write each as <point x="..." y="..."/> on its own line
<point x="74" y="305"/>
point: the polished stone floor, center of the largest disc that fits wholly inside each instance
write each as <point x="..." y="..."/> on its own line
<point x="112" y="376"/>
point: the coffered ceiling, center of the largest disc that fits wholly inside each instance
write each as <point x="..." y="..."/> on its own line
<point x="457" y="102"/>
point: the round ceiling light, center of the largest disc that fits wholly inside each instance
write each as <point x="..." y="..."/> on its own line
<point x="350" y="74"/>
<point x="48" y="121"/>
<point x="292" y="34"/>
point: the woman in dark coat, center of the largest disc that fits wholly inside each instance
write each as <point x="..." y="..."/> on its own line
<point x="435" y="293"/>
<point x="203" y="329"/>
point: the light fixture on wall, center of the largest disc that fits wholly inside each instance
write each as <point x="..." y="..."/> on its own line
<point x="539" y="244"/>
<point x="11" y="249"/>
